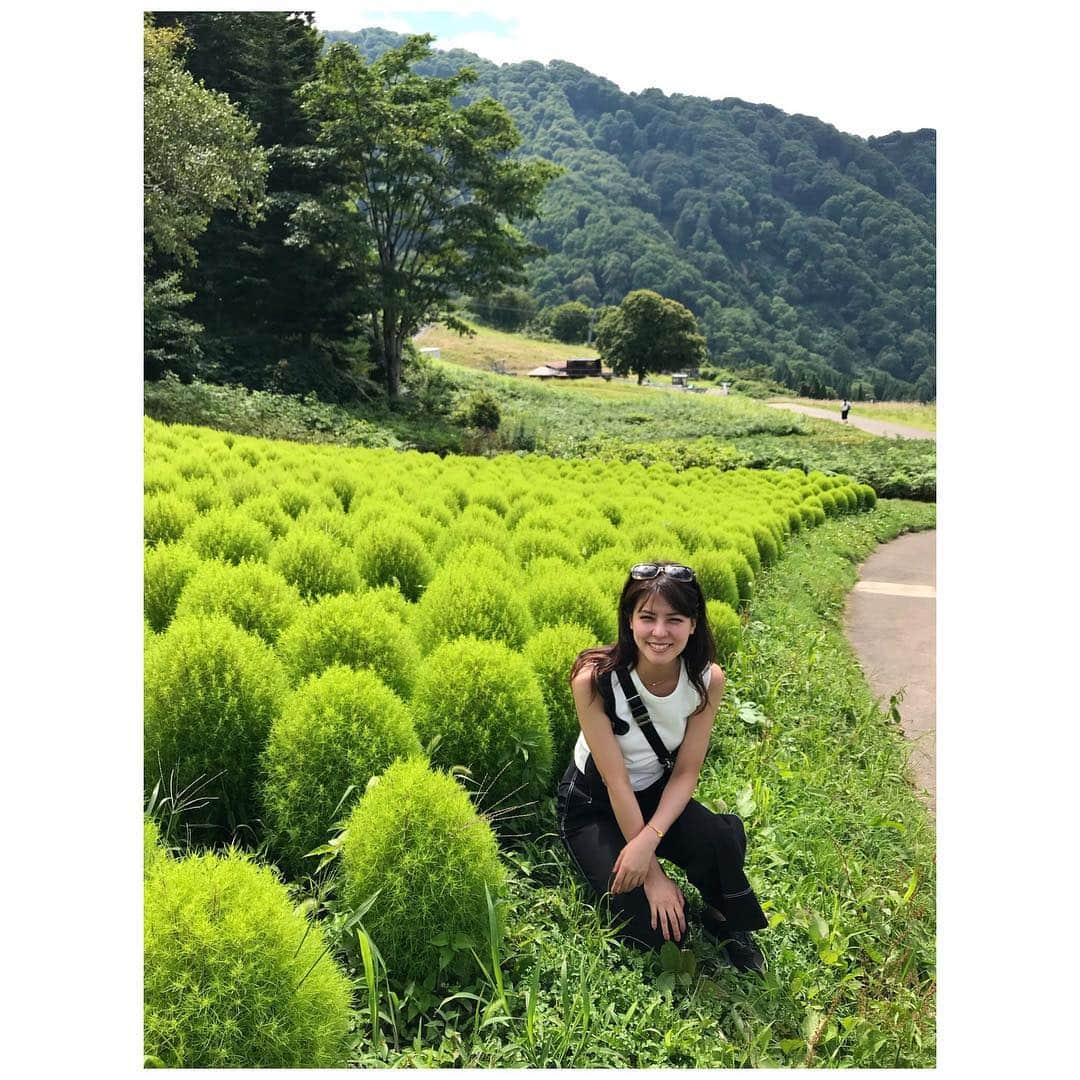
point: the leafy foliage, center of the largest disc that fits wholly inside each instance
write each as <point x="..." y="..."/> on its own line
<point x="429" y="193"/>
<point x="648" y="332"/>
<point x="354" y="630"/>
<point x="199" y="154"/>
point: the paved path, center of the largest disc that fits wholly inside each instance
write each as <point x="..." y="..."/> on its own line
<point x="890" y="621"/>
<point x="875" y="427"/>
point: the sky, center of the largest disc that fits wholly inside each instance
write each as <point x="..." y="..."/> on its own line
<point x="866" y="68"/>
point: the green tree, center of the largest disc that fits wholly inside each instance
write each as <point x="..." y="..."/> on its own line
<point x="430" y="187"/>
<point x="570" y="322"/>
<point x="648" y="332"/>
<point x="199" y="154"/>
<point x="279" y="303"/>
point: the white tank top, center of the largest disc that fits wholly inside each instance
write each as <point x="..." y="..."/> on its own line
<point x="668" y="714"/>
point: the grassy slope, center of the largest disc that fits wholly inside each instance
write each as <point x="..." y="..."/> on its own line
<point x="840" y="850"/>
<point x="900" y="412"/>
<point x="515" y="351"/>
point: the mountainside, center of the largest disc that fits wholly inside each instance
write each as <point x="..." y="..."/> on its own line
<point x="797" y="246"/>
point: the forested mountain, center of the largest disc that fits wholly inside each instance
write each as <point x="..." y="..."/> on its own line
<point x="797" y="246"/>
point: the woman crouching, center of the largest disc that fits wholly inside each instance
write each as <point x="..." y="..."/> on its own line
<point x="646" y="706"/>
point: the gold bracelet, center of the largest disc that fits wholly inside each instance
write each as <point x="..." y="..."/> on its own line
<point x="655" y="830"/>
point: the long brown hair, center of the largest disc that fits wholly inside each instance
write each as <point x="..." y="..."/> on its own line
<point x="687" y="599"/>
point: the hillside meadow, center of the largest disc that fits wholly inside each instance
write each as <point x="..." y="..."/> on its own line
<point x="345" y="833"/>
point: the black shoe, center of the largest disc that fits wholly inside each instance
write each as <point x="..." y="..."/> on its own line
<point x="743" y="952"/>
<point x="739" y="945"/>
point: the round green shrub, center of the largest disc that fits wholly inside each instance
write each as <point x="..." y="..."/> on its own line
<point x="716" y="576"/>
<point x="867" y="496"/>
<point x="228" y="533"/>
<point x="357" y="630"/>
<point x="266" y="510"/>
<point x="166" y="516"/>
<point x="252" y="595"/>
<point x="471" y="599"/>
<point x="743" y="542"/>
<point x="314" y="563"/>
<point x="569" y="597"/>
<point x="203" y="492"/>
<point x="338" y="729"/>
<point x="417" y="840"/>
<point x="486" y="705"/>
<point x="529" y="544"/>
<point x="828" y="502"/>
<point x="551" y="653"/>
<point x="391" y="553"/>
<point x="211" y="692"/>
<point x="744" y="573"/>
<point x="166" y="570"/>
<point x="726" y="628"/>
<point x="234" y="975"/>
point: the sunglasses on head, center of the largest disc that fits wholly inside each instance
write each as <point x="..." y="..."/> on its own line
<point x="643" y="571"/>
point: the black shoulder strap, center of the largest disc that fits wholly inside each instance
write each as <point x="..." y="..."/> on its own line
<point x="607" y="696"/>
<point x="641" y="717"/>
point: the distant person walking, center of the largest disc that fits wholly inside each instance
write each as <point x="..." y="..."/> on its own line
<point x="845" y="408"/>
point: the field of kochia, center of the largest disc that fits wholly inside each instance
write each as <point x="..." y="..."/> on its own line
<point x="365" y="654"/>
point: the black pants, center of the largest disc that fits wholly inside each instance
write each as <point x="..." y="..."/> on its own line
<point x="709" y="847"/>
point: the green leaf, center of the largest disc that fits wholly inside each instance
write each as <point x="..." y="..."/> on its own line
<point x="819" y="928"/>
<point x="744" y="802"/>
<point x="669" y="957"/>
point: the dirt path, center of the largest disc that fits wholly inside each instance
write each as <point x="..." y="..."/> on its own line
<point x="875" y="427"/>
<point x="890" y="621"/>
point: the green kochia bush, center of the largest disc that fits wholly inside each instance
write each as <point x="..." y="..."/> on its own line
<point x="486" y="705"/>
<point x="726" y="628"/>
<point x="568" y="596"/>
<point x="211" y="692"/>
<point x="166" y="516"/>
<point x="716" y="576"/>
<point x="465" y="599"/>
<point x="229" y="534"/>
<point x="166" y="570"/>
<point x="356" y="630"/>
<point x="252" y="595"/>
<point x="551" y="653"/>
<point x="338" y="730"/>
<point x="313" y="562"/>
<point x="153" y="852"/>
<point x="392" y="553"/>
<point x="416" y="839"/>
<point x="234" y="976"/>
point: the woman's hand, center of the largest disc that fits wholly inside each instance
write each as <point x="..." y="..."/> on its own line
<point x="666" y="904"/>
<point x="632" y="865"/>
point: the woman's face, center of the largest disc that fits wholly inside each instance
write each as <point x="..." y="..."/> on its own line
<point x="660" y="632"/>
